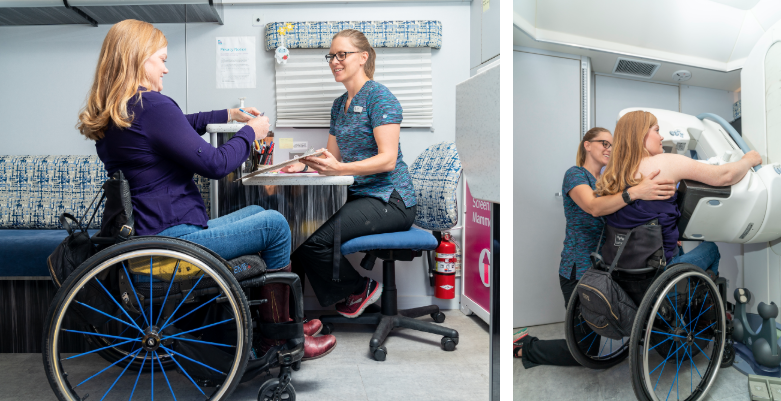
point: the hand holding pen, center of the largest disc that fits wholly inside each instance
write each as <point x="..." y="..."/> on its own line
<point x="259" y="123"/>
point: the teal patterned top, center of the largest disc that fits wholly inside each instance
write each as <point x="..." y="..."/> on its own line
<point x="583" y="230"/>
<point x="374" y="105"/>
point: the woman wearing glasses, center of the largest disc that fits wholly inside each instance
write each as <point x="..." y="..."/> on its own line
<point x="364" y="143"/>
<point x="582" y="210"/>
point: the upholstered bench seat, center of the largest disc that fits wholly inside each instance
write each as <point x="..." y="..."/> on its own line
<point x="24" y="252"/>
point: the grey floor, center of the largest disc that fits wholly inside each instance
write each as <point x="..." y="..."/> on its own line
<point x="416" y="369"/>
<point x="543" y="383"/>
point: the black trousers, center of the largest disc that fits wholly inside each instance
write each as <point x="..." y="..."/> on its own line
<point x="555" y="352"/>
<point x="358" y="217"/>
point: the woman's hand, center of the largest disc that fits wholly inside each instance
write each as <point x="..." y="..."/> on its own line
<point x="260" y="125"/>
<point x="648" y="189"/>
<point x="753" y="158"/>
<point x="326" y="165"/>
<point x="237" y="115"/>
<point x="293" y="168"/>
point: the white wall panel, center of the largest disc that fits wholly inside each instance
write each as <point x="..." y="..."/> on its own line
<point x="546" y="108"/>
<point x="615" y="94"/>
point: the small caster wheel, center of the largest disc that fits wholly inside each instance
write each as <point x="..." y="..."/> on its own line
<point x="380" y="353"/>
<point x="438" y="317"/>
<point x="266" y="392"/>
<point x="449" y="344"/>
<point x="729" y="356"/>
<point x="328" y="328"/>
<point x="297" y="366"/>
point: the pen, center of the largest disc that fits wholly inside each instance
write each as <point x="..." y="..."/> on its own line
<point x="250" y="114"/>
<point x="270" y="151"/>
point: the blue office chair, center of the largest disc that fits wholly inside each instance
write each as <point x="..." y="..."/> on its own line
<point x="435" y="176"/>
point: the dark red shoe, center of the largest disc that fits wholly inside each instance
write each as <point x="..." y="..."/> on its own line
<point x="354" y="305"/>
<point x="312" y="327"/>
<point x="317" y="347"/>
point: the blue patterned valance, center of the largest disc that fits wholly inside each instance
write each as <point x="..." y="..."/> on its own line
<point x="35" y="190"/>
<point x="317" y="35"/>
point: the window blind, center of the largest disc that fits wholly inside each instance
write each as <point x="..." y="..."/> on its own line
<point x="306" y="90"/>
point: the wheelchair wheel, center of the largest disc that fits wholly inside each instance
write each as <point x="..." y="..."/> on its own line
<point x="151" y="306"/>
<point x="590" y="350"/>
<point x="680" y="326"/>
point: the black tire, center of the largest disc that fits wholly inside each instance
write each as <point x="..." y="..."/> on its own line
<point x="102" y="267"/>
<point x="448" y="344"/>
<point x="573" y="332"/>
<point x="679" y="283"/>
<point x="267" y="389"/>
<point x="438" y="317"/>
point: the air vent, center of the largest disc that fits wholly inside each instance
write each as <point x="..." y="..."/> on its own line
<point x="635" y="68"/>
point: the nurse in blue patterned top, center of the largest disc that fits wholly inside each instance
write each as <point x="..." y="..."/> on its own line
<point x="364" y="143"/>
<point x="583" y="211"/>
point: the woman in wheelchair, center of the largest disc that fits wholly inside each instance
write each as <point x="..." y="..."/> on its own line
<point x="188" y="303"/>
<point x="584" y="228"/>
<point x="638" y="152"/>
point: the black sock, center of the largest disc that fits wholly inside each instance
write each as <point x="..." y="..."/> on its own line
<point x="360" y="286"/>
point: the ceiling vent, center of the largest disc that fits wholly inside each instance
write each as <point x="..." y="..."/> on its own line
<point x="635" y="68"/>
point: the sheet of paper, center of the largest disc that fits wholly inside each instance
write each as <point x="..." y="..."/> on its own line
<point x="268" y="169"/>
<point x="236" y="62"/>
<point x="486" y="5"/>
<point x="286" y="143"/>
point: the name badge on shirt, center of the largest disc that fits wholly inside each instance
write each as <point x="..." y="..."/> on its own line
<point x="357" y="109"/>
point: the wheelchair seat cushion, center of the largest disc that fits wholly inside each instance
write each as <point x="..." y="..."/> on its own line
<point x="414" y="238"/>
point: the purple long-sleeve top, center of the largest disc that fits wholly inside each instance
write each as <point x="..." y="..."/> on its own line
<point x="160" y="152"/>
<point x="641" y="212"/>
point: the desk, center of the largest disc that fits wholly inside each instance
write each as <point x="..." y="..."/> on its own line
<point x="306" y="200"/>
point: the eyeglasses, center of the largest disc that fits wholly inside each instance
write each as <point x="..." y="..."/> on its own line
<point x="605" y="143"/>
<point x="339" y="56"/>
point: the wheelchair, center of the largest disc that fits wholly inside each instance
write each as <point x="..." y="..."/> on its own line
<point x="680" y="326"/>
<point x="151" y="306"/>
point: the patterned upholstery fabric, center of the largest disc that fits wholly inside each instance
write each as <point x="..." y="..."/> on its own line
<point x="317" y="35"/>
<point x="435" y="176"/>
<point x="35" y="190"/>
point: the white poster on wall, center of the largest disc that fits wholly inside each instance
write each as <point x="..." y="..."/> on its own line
<point x="236" y="62"/>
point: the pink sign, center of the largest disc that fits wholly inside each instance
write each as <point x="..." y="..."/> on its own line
<point x="477" y="252"/>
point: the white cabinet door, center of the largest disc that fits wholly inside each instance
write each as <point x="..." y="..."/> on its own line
<point x="546" y="129"/>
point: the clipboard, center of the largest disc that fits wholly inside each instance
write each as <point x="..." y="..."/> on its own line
<point x="266" y="169"/>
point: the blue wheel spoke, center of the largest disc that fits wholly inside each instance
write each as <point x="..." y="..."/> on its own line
<point x="139" y="375"/>
<point x="183" y="299"/>
<point x="187" y="374"/>
<point x="698" y="316"/>
<point x="152" y="376"/>
<point x="101" y="335"/>
<point x="578" y="324"/>
<point x="119" y="377"/>
<point x="676" y="381"/>
<point x="668" y="334"/>
<point x="703" y="352"/>
<point x="665" y="321"/>
<point x="697" y="320"/>
<point x="176" y="270"/>
<point x="581" y="340"/>
<point x="675" y="309"/>
<point x="133" y="288"/>
<point x="185" y="315"/>
<point x="117" y="303"/>
<point x="165" y="375"/>
<point x="126" y="329"/>
<point x="668" y="357"/>
<point x="196" y="329"/>
<point x="703" y="339"/>
<point x="667" y="339"/>
<point x="663" y="365"/>
<point x="107" y="367"/>
<point x="704" y="329"/>
<point x="105" y="314"/>
<point x="592" y="343"/>
<point x="691" y="296"/>
<point x="205" y="342"/>
<point x="190" y="359"/>
<point x="101" y="349"/>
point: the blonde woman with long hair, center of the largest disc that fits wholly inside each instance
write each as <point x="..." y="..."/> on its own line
<point x="582" y="210"/>
<point x="638" y="152"/>
<point x="158" y="148"/>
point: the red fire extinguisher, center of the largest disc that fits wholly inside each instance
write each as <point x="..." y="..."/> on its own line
<point x="445" y="272"/>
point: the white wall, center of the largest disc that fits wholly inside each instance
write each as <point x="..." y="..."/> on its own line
<point x="51" y="68"/>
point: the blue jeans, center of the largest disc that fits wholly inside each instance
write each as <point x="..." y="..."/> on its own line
<point x="243" y="232"/>
<point x="705" y="256"/>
